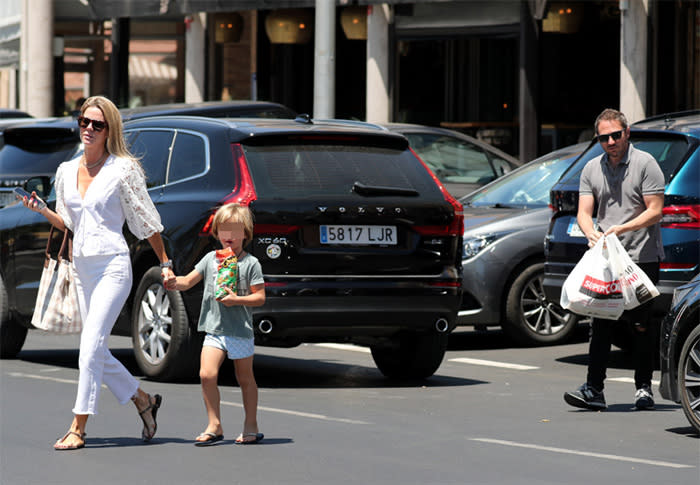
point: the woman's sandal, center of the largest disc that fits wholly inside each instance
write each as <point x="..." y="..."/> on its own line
<point x="153" y="408"/>
<point x="57" y="447"/>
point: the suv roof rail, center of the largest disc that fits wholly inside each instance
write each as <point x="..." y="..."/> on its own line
<point x="357" y="123"/>
<point x="669" y="116"/>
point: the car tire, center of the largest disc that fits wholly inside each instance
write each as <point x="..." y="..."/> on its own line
<point x="413" y="356"/>
<point x="163" y="343"/>
<point x="529" y="318"/>
<point x="688" y="385"/>
<point x="12" y="334"/>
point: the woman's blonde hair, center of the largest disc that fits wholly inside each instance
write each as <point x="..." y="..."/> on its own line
<point x="115" y="141"/>
<point x="235" y="213"/>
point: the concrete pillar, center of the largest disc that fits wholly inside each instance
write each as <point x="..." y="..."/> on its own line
<point x="36" y="58"/>
<point x="195" y="46"/>
<point x="377" y="87"/>
<point x="324" y="63"/>
<point x="633" y="58"/>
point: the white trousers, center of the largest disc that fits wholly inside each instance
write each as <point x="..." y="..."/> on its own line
<point x="103" y="284"/>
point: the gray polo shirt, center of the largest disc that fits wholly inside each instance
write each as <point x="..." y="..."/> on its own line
<point x="619" y="193"/>
<point x="216" y="318"/>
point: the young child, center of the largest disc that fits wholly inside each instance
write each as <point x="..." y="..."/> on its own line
<point x="228" y="322"/>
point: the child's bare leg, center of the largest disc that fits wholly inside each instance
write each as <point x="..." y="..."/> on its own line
<point x="210" y="363"/>
<point x="249" y="391"/>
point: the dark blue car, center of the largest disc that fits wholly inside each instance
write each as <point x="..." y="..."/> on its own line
<point x="674" y="141"/>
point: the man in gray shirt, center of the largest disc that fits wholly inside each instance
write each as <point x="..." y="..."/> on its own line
<point x="627" y="184"/>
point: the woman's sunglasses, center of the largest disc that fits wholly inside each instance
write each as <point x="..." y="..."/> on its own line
<point x="98" y="126"/>
<point x="615" y="135"/>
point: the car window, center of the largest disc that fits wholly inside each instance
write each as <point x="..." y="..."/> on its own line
<point x="452" y="159"/>
<point x="668" y="151"/>
<point x="188" y="158"/>
<point x="310" y="170"/>
<point x="152" y="147"/>
<point x="501" y="166"/>
<point x="528" y="186"/>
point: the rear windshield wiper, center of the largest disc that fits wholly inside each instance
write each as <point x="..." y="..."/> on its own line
<point x="362" y="189"/>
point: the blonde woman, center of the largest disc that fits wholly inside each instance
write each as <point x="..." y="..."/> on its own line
<point x="95" y="194"/>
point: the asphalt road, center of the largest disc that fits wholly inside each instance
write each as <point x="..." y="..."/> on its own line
<point x="493" y="414"/>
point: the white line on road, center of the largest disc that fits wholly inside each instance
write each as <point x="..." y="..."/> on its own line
<point x="299" y="413"/>
<point x="492" y="363"/>
<point x="352" y="348"/>
<point x="43" y="378"/>
<point x="629" y="380"/>
<point x="582" y="453"/>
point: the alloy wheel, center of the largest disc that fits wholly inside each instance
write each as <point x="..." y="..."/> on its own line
<point x="154" y="324"/>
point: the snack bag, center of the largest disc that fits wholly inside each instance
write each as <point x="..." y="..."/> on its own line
<point x="227" y="272"/>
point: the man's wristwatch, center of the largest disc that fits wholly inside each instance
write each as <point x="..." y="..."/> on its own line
<point x="167" y="264"/>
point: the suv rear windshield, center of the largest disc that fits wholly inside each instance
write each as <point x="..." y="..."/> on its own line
<point x="669" y="151"/>
<point x="311" y="170"/>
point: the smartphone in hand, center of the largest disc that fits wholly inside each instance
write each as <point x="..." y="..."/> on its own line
<point x="20" y="193"/>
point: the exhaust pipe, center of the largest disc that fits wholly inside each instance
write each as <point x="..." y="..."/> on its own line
<point x="265" y="326"/>
<point x="441" y="325"/>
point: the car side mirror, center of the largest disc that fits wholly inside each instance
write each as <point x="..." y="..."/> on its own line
<point x="40" y="185"/>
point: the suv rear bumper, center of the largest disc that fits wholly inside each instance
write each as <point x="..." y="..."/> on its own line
<point x="319" y="318"/>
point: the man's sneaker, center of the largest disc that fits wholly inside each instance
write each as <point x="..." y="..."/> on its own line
<point x="643" y="398"/>
<point x="586" y="397"/>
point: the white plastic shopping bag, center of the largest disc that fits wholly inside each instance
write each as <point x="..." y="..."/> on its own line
<point x="637" y="287"/>
<point x="593" y="288"/>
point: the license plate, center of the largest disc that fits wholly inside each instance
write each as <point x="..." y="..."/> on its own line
<point x="363" y="235"/>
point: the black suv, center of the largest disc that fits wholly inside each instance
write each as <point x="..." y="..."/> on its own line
<point x="674" y="141"/>
<point x="358" y="241"/>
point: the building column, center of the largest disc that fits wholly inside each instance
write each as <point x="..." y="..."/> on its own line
<point x="324" y="64"/>
<point x="633" y="58"/>
<point x="195" y="47"/>
<point x="36" y="58"/>
<point x="378" y="106"/>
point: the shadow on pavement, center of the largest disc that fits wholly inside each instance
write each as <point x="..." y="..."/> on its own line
<point x="270" y="371"/>
<point x="687" y="431"/>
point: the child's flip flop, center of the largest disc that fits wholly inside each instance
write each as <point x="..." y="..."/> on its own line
<point x="242" y="441"/>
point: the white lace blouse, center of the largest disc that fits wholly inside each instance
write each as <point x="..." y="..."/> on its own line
<point x="116" y="194"/>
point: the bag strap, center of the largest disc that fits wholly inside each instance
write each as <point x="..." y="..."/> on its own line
<point x="48" y="243"/>
<point x="65" y="245"/>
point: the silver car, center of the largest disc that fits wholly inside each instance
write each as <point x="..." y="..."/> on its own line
<point x="503" y="255"/>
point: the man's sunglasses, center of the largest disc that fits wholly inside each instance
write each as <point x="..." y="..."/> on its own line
<point x="615" y="135"/>
<point x="98" y="126"/>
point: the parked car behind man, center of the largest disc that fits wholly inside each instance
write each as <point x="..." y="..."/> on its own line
<point x="503" y="256"/>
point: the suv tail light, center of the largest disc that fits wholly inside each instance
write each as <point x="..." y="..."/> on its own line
<point x="681" y="217"/>
<point x="456" y="226"/>
<point x="243" y="192"/>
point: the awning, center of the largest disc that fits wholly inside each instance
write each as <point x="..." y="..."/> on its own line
<point x="146" y="71"/>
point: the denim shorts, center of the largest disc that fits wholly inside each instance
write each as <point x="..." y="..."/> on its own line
<point x="235" y="347"/>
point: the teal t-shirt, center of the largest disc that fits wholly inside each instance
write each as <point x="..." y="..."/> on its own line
<point x="218" y="319"/>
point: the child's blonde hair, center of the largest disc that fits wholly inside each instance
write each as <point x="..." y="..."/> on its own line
<point x="235" y="213"/>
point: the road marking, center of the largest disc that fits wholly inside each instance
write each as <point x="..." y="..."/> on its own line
<point x="583" y="453"/>
<point x="42" y="378"/>
<point x="46" y="378"/>
<point x="299" y="413"/>
<point x="492" y="363"/>
<point x="629" y="380"/>
<point x="352" y="348"/>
